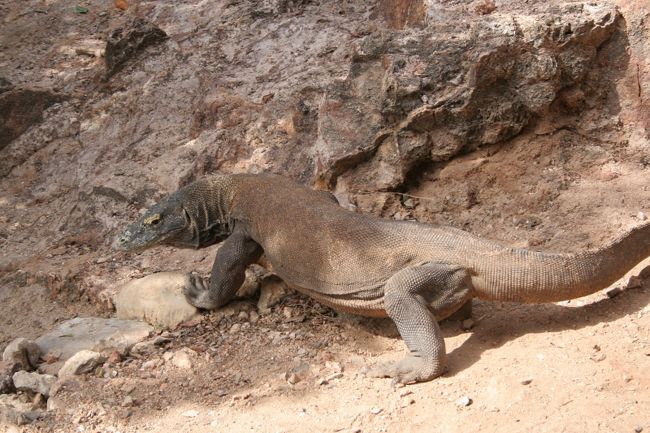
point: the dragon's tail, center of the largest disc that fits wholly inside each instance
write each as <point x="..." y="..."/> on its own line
<point x="520" y="275"/>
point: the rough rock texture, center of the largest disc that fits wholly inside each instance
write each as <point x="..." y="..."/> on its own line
<point x="125" y="41"/>
<point x="157" y="299"/>
<point x="22" y="353"/>
<point x="13" y="411"/>
<point x="7" y="370"/>
<point x="91" y="333"/>
<point x="34" y="382"/>
<point x="20" y="109"/>
<point x="81" y="362"/>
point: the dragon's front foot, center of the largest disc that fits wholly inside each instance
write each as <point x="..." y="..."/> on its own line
<point x="197" y="293"/>
<point x="411" y="369"/>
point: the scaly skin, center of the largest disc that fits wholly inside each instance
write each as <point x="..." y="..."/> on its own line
<point x="413" y="273"/>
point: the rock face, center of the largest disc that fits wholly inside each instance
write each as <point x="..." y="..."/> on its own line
<point x="92" y="333"/>
<point x="20" y="109"/>
<point x="157" y="299"/>
<point x="125" y="41"/>
<point x="428" y="94"/>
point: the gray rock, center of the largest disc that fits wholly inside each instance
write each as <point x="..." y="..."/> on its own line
<point x="25" y="353"/>
<point x="34" y="382"/>
<point x="13" y="411"/>
<point x="91" y="333"/>
<point x="82" y="362"/>
<point x="157" y="299"/>
<point x="6" y="377"/>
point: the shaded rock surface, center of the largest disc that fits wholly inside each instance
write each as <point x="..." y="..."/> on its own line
<point x="22" y="353"/>
<point x="125" y="41"/>
<point x="20" y="109"/>
<point x="157" y="299"/>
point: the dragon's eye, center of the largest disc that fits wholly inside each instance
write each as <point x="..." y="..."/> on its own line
<point x="152" y="220"/>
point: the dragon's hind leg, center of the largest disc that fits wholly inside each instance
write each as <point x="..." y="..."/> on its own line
<point x="411" y="298"/>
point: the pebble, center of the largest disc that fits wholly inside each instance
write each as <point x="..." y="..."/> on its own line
<point x="190" y="413"/>
<point x="468" y="324"/>
<point x="638" y="429"/>
<point x="151" y="364"/>
<point x="182" y="358"/>
<point x="641" y="216"/>
<point x="235" y="328"/>
<point x="613" y="292"/>
<point x="291" y="378"/>
<point x="526" y="381"/>
<point x="376" y="410"/>
<point x="128" y="401"/>
<point x="464" y="401"/>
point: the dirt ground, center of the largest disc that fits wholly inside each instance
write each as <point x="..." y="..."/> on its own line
<point x="565" y="184"/>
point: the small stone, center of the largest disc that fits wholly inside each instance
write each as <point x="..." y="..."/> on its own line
<point x="638" y="429"/>
<point x="34" y="382"/>
<point x="151" y="364"/>
<point x="613" y="292"/>
<point x="23" y="352"/>
<point x="253" y="317"/>
<point x="376" y="410"/>
<point x="464" y="401"/>
<point x="242" y="315"/>
<point x="190" y="413"/>
<point x="128" y="401"/>
<point x="335" y="367"/>
<point x="641" y="216"/>
<point x="235" y="328"/>
<point x="291" y="378"/>
<point x="183" y="358"/>
<point x="82" y="362"/>
<point x="114" y="357"/>
<point x="526" y="381"/>
<point x="468" y="324"/>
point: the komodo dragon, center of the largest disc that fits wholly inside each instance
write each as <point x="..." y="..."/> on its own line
<point x="411" y="272"/>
